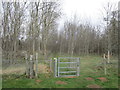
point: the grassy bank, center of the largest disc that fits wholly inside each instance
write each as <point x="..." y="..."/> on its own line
<point x="90" y="75"/>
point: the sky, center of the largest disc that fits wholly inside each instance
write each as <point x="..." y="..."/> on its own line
<point x="87" y="10"/>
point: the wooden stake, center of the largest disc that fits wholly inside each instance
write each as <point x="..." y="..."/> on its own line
<point x="27" y="65"/>
<point x="36" y="71"/>
<point x="51" y="65"/>
<point x="105" y="71"/>
<point x="31" y="67"/>
<point x="108" y="56"/>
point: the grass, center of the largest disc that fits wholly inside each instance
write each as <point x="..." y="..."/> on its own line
<point x="88" y="68"/>
<point x="20" y="69"/>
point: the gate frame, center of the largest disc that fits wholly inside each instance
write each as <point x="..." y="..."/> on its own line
<point x="57" y="67"/>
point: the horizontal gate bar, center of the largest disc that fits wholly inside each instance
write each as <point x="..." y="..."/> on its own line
<point x="68" y="72"/>
<point x="68" y="57"/>
<point x="67" y="62"/>
<point x="67" y="67"/>
<point x="67" y="75"/>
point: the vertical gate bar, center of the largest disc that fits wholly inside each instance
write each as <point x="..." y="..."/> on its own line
<point x="55" y="68"/>
<point x="58" y="66"/>
<point x="78" y="65"/>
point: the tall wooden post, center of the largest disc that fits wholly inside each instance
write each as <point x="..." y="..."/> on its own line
<point x="27" y="65"/>
<point x="31" y="67"/>
<point x="51" y="65"/>
<point x="108" y="57"/>
<point x="105" y="65"/>
<point x="36" y="71"/>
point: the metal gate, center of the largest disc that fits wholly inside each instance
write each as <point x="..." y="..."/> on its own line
<point x="67" y="66"/>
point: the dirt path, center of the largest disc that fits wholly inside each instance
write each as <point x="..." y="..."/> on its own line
<point x="42" y="68"/>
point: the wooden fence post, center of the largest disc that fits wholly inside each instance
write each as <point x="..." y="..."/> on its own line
<point x="36" y="71"/>
<point x="105" y="65"/>
<point x="108" y="57"/>
<point x="31" y="67"/>
<point x="51" y="65"/>
<point x="27" y="65"/>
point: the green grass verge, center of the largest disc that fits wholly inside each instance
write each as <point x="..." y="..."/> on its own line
<point x="88" y="68"/>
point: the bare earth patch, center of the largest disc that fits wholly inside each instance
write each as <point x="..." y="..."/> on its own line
<point x="43" y="68"/>
<point x="60" y="82"/>
<point x="102" y="79"/>
<point x="70" y="77"/>
<point x="93" y="86"/>
<point x="38" y="81"/>
<point x="89" y="78"/>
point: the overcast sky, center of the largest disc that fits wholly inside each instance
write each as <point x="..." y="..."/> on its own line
<point x="87" y="10"/>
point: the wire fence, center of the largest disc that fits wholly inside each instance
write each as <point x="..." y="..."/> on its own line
<point x="58" y="67"/>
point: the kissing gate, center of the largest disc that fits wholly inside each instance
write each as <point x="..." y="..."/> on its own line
<point x="63" y="66"/>
<point x="67" y="66"/>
